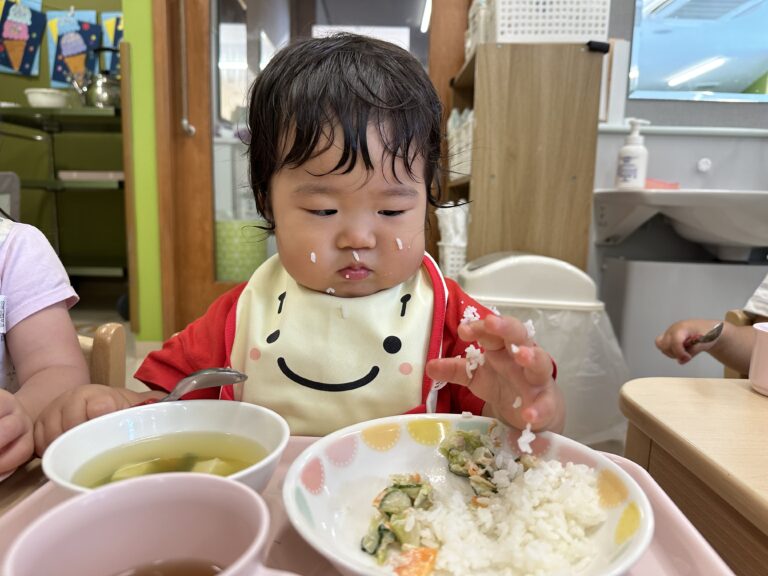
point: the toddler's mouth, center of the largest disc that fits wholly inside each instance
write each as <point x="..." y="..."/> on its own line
<point x="355" y="273"/>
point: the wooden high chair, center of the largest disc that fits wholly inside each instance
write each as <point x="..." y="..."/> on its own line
<point x="737" y="318"/>
<point x="105" y="354"/>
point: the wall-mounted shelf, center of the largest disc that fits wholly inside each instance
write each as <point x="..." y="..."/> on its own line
<point x="460" y="182"/>
<point x="54" y="120"/>
<point x="466" y="76"/>
<point x="82" y="172"/>
<point x="533" y="148"/>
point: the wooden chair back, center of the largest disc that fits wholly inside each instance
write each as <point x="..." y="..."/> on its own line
<point x="105" y="354"/>
<point x="737" y="318"/>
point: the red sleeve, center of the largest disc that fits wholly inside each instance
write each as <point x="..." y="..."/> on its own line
<point x="462" y="398"/>
<point x="205" y="343"/>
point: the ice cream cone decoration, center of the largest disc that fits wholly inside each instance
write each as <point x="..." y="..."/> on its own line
<point x="76" y="64"/>
<point x="16" y="33"/>
<point x="73" y="49"/>
<point x="15" y="50"/>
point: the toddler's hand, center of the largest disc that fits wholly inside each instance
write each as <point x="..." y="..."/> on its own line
<point x="75" y="407"/>
<point x="16" y="440"/>
<point x="672" y="341"/>
<point x="506" y="375"/>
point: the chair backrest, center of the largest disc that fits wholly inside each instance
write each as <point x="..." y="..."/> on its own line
<point x="105" y="354"/>
<point x="737" y="318"/>
<point x="10" y="194"/>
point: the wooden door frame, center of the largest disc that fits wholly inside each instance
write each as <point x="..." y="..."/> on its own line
<point x="184" y="166"/>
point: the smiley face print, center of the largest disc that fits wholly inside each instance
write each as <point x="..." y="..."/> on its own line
<point x="313" y="355"/>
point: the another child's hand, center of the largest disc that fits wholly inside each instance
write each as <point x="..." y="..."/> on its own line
<point x="672" y="341"/>
<point x="77" y="406"/>
<point x="16" y="440"/>
<point x="506" y="375"/>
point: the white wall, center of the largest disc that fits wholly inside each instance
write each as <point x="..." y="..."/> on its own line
<point x="655" y="277"/>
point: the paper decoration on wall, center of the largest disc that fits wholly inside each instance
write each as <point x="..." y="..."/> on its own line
<point x="22" y="25"/>
<point x="72" y="36"/>
<point x="112" y="23"/>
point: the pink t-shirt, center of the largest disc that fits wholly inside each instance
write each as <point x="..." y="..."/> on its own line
<point x="31" y="278"/>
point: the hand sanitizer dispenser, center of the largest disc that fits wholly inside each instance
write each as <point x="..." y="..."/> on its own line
<point x="633" y="158"/>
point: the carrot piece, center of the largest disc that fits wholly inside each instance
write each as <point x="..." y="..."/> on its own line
<point x="417" y="562"/>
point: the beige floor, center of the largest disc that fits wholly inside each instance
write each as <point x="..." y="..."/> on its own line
<point x="86" y="320"/>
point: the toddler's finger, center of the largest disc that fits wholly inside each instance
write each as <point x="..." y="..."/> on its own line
<point x="448" y="370"/>
<point x="72" y="413"/>
<point x="10" y="429"/>
<point x="540" y="413"/>
<point x="15" y="453"/>
<point x="536" y="364"/>
<point x="6" y="407"/>
<point x="47" y="429"/>
<point x="495" y="332"/>
<point x="99" y="405"/>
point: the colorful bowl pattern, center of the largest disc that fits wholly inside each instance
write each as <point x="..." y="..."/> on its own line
<point x="328" y="489"/>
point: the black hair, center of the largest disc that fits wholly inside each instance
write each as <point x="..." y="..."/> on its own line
<point x="348" y="81"/>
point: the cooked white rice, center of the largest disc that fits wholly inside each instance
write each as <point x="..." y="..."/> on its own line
<point x="538" y="524"/>
<point x="475" y="358"/>
<point x="526" y="437"/>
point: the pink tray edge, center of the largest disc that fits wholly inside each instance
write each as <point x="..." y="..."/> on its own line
<point x="677" y="547"/>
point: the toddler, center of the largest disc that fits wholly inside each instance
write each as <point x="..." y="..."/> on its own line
<point x="40" y="355"/>
<point x="732" y="348"/>
<point x="351" y="320"/>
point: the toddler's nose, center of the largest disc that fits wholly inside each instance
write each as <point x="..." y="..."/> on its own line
<point x="357" y="236"/>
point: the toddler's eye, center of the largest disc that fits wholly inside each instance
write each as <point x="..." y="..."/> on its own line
<point x="391" y="212"/>
<point x="323" y="212"/>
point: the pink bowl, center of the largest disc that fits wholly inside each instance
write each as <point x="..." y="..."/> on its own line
<point x="153" y="518"/>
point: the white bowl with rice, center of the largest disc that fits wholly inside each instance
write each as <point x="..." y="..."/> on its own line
<point x="569" y="510"/>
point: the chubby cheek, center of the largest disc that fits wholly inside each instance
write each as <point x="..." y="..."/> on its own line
<point x="405" y="368"/>
<point x="402" y="264"/>
<point x="306" y="261"/>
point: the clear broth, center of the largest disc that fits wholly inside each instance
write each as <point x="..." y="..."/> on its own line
<point x="174" y="568"/>
<point x="212" y="452"/>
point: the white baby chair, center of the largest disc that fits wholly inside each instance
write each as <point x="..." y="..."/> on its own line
<point x="571" y="324"/>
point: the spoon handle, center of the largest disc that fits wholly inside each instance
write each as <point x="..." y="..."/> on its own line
<point x="709" y="336"/>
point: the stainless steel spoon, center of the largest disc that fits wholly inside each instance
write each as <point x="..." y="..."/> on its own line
<point x="709" y="336"/>
<point x="207" y="378"/>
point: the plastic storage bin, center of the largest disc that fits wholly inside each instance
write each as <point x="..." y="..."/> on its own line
<point x="571" y="325"/>
<point x="452" y="258"/>
<point x="536" y="21"/>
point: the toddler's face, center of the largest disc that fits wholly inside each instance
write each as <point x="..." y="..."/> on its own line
<point x="350" y="234"/>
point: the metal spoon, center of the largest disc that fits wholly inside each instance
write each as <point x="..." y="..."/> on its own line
<point x="704" y="338"/>
<point x="207" y="378"/>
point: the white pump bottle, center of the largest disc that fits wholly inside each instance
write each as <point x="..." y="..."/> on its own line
<point x="633" y="158"/>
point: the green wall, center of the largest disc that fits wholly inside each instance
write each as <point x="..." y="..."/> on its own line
<point x="12" y="87"/>
<point x="137" y="17"/>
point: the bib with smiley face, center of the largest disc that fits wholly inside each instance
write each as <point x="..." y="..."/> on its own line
<point x="324" y="362"/>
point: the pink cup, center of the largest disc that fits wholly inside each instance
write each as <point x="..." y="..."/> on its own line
<point x="135" y="522"/>
<point x="758" y="365"/>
